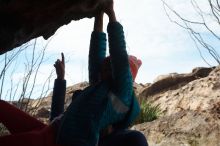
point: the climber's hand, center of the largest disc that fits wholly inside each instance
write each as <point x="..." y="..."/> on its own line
<point x="60" y="67"/>
<point x="108" y="8"/>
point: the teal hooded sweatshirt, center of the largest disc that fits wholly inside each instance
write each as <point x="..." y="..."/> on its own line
<point x="101" y="104"/>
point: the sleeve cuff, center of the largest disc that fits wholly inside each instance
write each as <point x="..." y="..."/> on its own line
<point x="114" y="26"/>
<point x="59" y="87"/>
<point x="96" y="34"/>
<point x="60" y="83"/>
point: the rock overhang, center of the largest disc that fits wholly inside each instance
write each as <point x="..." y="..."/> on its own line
<point x="23" y="20"/>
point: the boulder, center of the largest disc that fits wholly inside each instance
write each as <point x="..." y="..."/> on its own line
<point x="175" y="81"/>
<point x="190" y="113"/>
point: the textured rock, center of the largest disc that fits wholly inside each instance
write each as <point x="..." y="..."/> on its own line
<point x="43" y="112"/>
<point x="199" y="94"/>
<point x="191" y="114"/>
<point x="174" y="81"/>
<point x="23" y="20"/>
<point x="186" y="128"/>
<point x="138" y="88"/>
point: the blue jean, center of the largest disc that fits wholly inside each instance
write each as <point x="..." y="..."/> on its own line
<point x="124" y="138"/>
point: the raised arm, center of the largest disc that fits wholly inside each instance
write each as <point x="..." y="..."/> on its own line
<point x="97" y="49"/>
<point x="119" y="58"/>
<point x="59" y="89"/>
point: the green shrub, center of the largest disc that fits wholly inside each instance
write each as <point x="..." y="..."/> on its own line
<point x="148" y="112"/>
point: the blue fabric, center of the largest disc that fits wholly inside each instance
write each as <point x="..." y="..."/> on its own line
<point x="97" y="54"/>
<point x="123" y="83"/>
<point x="58" y="98"/>
<point x="93" y="110"/>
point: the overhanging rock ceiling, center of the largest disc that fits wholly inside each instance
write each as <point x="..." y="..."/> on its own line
<point x="23" y="20"/>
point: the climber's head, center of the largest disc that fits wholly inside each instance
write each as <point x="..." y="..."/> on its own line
<point x="106" y="72"/>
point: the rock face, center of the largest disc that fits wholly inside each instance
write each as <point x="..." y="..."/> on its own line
<point x="185" y="128"/>
<point x="174" y="80"/>
<point x="23" y="20"/>
<point x="191" y="113"/>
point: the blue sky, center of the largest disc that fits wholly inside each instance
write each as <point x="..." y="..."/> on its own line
<point x="162" y="46"/>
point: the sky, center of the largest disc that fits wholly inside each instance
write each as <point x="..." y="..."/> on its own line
<point x="163" y="46"/>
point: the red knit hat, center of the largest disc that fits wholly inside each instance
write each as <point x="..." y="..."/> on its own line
<point x="134" y="65"/>
<point x="133" y="62"/>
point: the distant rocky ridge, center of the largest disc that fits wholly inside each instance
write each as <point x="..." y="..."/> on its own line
<point x="175" y="81"/>
<point x="190" y="106"/>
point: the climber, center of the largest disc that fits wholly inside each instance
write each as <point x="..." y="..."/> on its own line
<point x="99" y="114"/>
<point x="103" y="111"/>
<point x="28" y="131"/>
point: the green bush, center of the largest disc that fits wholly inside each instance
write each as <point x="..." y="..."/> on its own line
<point x="148" y="112"/>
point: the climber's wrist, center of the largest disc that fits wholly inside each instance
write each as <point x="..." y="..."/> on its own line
<point x="112" y="17"/>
